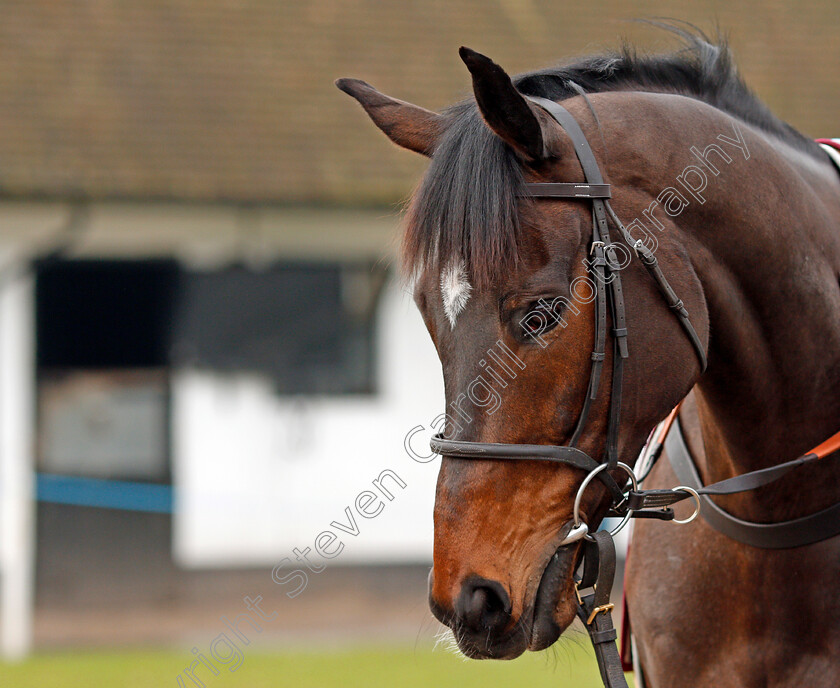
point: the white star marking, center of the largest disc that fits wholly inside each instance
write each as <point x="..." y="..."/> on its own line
<point x="455" y="290"/>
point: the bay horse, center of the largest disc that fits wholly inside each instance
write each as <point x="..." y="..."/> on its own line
<point x="743" y="215"/>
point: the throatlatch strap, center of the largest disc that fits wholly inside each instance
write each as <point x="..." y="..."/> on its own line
<point x="671" y="299"/>
<point x="595" y="610"/>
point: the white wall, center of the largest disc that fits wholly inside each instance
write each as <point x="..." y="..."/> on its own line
<point x="258" y="474"/>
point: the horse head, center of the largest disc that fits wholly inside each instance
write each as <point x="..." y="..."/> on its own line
<point x="506" y="286"/>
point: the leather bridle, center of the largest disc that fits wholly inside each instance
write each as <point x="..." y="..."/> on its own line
<point x="626" y="499"/>
<point x="608" y="294"/>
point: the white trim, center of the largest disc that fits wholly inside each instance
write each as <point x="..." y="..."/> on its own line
<point x="203" y="235"/>
<point x="17" y="483"/>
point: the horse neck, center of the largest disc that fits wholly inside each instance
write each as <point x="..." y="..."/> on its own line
<point x="767" y="251"/>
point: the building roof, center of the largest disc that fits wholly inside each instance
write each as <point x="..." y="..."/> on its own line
<point x="234" y="102"/>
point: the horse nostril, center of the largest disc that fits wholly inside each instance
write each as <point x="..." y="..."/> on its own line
<point x="483" y="605"/>
<point x="476" y="609"/>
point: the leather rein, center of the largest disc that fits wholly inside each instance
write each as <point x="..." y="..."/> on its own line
<point x="627" y="499"/>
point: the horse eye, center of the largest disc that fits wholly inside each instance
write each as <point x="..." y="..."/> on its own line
<point x="539" y="318"/>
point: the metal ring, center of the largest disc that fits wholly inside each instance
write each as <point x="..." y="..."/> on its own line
<point x="695" y="496"/>
<point x="576" y="533"/>
<point x="588" y="479"/>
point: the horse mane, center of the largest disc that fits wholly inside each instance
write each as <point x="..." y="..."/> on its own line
<point x="465" y="208"/>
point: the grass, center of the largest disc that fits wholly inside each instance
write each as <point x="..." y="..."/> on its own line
<point x="568" y="665"/>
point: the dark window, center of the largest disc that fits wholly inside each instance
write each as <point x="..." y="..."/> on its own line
<point x="307" y="326"/>
<point x="104" y="314"/>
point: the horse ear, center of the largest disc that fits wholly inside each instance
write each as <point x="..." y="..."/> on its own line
<point x="505" y="109"/>
<point x="407" y="125"/>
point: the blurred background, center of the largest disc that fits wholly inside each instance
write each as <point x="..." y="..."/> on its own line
<point x="206" y="355"/>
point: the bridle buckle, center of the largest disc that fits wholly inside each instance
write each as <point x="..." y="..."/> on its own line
<point x="603" y="608"/>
